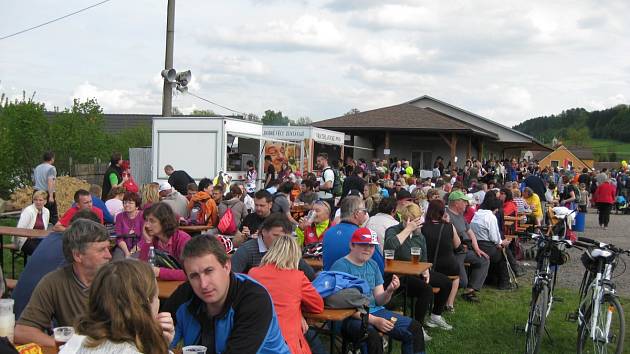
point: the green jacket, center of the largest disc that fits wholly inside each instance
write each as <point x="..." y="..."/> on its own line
<point x="403" y="252"/>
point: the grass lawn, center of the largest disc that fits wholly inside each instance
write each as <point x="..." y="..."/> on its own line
<point x="608" y="146"/>
<point x="488" y="327"/>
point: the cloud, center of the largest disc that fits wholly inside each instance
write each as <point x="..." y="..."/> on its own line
<point x="119" y="100"/>
<point x="607" y="102"/>
<point x="396" y="16"/>
<point x="394" y="79"/>
<point x="306" y="33"/>
<point x="235" y="64"/>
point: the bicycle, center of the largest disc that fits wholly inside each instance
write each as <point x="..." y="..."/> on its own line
<point x="551" y="253"/>
<point x="600" y="315"/>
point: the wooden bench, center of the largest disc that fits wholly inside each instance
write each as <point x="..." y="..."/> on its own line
<point x="20" y="232"/>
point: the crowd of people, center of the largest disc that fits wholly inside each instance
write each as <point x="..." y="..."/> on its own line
<point x="246" y="283"/>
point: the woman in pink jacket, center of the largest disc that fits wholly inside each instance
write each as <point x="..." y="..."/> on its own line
<point x="290" y="290"/>
<point x="604" y="196"/>
<point x="161" y="230"/>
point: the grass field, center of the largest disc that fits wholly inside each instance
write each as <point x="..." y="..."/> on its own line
<point x="607" y="146"/>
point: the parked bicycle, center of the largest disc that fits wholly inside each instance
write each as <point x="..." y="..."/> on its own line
<point x="550" y="254"/>
<point x="600" y="317"/>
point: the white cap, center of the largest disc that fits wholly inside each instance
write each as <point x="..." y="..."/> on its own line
<point x="165" y="186"/>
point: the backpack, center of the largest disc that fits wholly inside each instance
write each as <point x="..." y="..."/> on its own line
<point x="337" y="187"/>
<point x="198" y="215"/>
<point x="227" y="224"/>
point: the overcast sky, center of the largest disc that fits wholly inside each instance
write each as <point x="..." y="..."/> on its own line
<point x="506" y="60"/>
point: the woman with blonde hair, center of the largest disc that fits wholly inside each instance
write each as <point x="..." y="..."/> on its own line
<point x="150" y="194"/>
<point x="290" y="290"/>
<point x="122" y="313"/>
<point x="372" y="196"/>
<point x="34" y="216"/>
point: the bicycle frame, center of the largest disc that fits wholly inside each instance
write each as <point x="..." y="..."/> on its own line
<point x="601" y="287"/>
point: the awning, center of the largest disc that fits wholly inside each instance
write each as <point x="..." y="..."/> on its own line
<point x="260" y="137"/>
<point x="358" y="147"/>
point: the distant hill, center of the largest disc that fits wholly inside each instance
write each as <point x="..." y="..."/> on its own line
<point x="607" y="131"/>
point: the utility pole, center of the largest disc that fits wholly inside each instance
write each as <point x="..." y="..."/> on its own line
<point x="167" y="94"/>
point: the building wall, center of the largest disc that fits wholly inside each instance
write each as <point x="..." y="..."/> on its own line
<point x="560" y="155"/>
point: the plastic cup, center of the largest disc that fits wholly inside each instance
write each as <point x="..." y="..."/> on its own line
<point x="194" y="349"/>
<point x="62" y="335"/>
<point x="416" y="252"/>
<point x="389" y="257"/>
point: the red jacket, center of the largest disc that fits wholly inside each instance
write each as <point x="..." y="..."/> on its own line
<point x="605" y="193"/>
<point x="291" y="293"/>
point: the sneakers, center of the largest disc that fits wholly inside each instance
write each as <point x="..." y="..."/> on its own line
<point x="437" y="321"/>
<point x="426" y="336"/>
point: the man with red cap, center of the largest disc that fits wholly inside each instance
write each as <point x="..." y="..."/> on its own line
<point x="360" y="264"/>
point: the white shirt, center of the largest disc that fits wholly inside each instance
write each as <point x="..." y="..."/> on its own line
<point x="327" y="176"/>
<point x="379" y="223"/>
<point x="485" y="226"/>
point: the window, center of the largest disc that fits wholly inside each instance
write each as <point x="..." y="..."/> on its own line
<point x="554" y="164"/>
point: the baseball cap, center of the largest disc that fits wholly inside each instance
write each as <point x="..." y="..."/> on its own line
<point x="164" y="186"/>
<point x="403" y="194"/>
<point x="365" y="236"/>
<point x="458" y="195"/>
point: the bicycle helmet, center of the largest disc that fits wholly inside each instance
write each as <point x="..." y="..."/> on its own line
<point x="313" y="250"/>
<point x="227" y="243"/>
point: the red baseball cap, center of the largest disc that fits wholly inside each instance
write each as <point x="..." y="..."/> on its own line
<point x="365" y="236"/>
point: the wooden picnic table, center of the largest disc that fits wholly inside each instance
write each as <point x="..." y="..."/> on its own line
<point x="397" y="267"/>
<point x="21" y="232"/>
<point x="195" y="228"/>
<point x="166" y="288"/>
<point x="329" y="315"/>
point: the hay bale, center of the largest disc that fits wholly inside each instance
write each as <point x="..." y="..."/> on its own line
<point x="65" y="188"/>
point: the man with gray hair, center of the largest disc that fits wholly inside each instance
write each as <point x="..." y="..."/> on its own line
<point x="337" y="239"/>
<point x="62" y="295"/>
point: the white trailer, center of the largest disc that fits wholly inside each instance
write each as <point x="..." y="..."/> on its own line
<point x="205" y="146"/>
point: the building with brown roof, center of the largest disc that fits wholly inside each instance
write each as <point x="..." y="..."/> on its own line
<point x="425" y="128"/>
<point x="564" y="156"/>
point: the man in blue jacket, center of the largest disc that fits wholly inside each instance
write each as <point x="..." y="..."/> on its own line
<point x="228" y="313"/>
<point x="337" y="239"/>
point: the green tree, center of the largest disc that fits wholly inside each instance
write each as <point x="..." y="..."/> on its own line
<point x="304" y="121"/>
<point x="274" y="118"/>
<point x="139" y="136"/>
<point x="577" y="136"/>
<point x="77" y="135"/>
<point x="203" y="113"/>
<point x="23" y="138"/>
<point x="352" y="111"/>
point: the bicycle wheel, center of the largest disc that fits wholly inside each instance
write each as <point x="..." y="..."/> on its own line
<point x="536" y="318"/>
<point x="609" y="330"/>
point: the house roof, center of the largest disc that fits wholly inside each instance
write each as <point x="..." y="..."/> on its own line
<point x="582" y="153"/>
<point x="403" y="116"/>
<point x="115" y="123"/>
<point x="501" y="130"/>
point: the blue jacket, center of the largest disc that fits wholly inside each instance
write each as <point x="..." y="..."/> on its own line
<point x="247" y="324"/>
<point x="337" y="244"/>
<point x="328" y="283"/>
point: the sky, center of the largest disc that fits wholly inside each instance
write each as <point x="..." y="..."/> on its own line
<point x="506" y="60"/>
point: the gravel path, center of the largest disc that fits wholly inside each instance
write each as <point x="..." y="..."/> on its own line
<point x="618" y="234"/>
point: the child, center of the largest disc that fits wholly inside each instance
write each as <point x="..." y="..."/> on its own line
<point x="584" y="199"/>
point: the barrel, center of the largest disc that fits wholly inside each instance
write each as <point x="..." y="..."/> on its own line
<point x="580" y="222"/>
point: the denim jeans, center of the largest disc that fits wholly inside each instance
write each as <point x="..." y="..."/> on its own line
<point x="406" y="330"/>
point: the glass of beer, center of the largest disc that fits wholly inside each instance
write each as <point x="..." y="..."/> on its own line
<point x="389" y="257"/>
<point x="416" y="252"/>
<point x="62" y="335"/>
<point x="194" y="349"/>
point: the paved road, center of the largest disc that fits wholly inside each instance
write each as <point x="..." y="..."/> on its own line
<point x="618" y="233"/>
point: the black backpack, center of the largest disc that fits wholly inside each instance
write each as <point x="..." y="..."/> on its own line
<point x="337" y="187"/>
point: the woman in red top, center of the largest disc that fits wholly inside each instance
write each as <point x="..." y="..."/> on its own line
<point x="509" y="207"/>
<point x="290" y="290"/>
<point x="604" y="196"/>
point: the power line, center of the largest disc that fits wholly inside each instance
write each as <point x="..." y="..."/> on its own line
<point x="54" y="20"/>
<point x="216" y="104"/>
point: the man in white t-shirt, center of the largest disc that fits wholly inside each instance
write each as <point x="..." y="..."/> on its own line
<point x="327" y="180"/>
